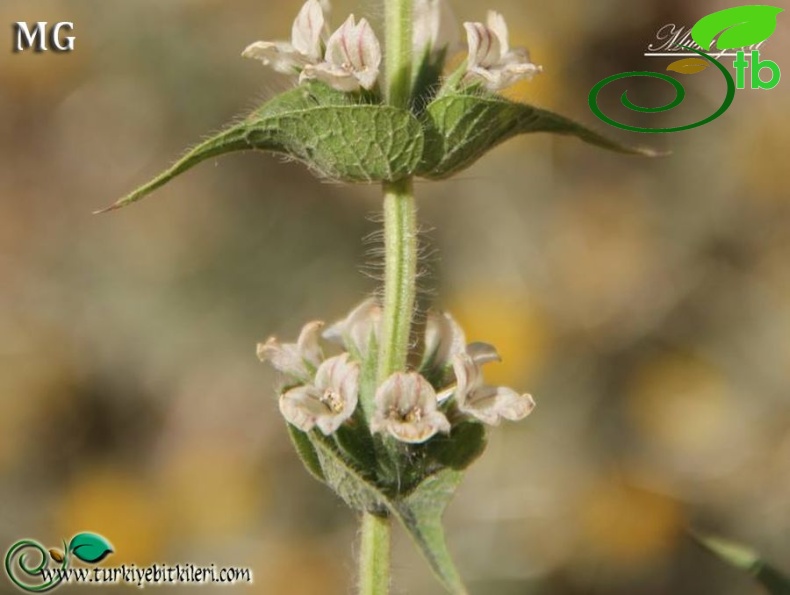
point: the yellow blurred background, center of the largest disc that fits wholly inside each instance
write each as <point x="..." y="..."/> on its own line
<point x="644" y="303"/>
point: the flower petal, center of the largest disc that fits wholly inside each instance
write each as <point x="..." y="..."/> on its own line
<point x="491" y="59"/>
<point x="358" y="329"/>
<point x="492" y="404"/>
<point x="337" y="78"/>
<point x="367" y="50"/>
<point x="327" y="403"/>
<point x="484" y="49"/>
<point x="497" y="25"/>
<point x="280" y="56"/>
<point x="501" y="77"/>
<point x="422" y="431"/>
<point x="351" y="50"/>
<point x="406" y="408"/>
<point x="355" y="46"/>
<point x="297" y="360"/>
<point x="435" y="27"/>
<point x="302" y="407"/>
<point x="444" y="338"/>
<point x="467" y="376"/>
<point x="285" y="358"/>
<point x="338" y="377"/>
<point x="308" y="29"/>
<point x="308" y="343"/>
<point x="483" y="353"/>
<point x="517" y="69"/>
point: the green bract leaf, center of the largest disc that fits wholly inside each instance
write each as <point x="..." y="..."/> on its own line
<point x="90" y="547"/>
<point x="461" y="128"/>
<point x="421" y="515"/>
<point x="748" y="560"/>
<point x="336" y="134"/>
<point x="354" y="485"/>
<point x="420" y="511"/>
<point x="306" y="451"/>
<point x="736" y="27"/>
<point x="461" y="448"/>
<point x="342" y="137"/>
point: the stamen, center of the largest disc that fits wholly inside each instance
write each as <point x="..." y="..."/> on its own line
<point x="332" y="399"/>
<point x="413" y="416"/>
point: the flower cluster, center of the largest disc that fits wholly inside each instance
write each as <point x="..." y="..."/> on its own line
<point x="412" y="406"/>
<point x="350" y="58"/>
<point x="347" y="60"/>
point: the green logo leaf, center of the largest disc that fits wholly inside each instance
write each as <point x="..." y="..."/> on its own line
<point x="90" y="547"/>
<point x="736" y="27"/>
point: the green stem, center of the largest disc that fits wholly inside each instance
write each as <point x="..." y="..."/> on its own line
<point x="374" y="555"/>
<point x="452" y="82"/>
<point x="400" y="240"/>
<point x="399" y="51"/>
<point x="400" y="232"/>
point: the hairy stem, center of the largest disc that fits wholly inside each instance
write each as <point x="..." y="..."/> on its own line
<point x="399" y="51"/>
<point x="400" y="232"/>
<point x="400" y="239"/>
<point x="374" y="555"/>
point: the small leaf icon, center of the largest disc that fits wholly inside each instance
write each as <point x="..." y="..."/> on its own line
<point x="736" y="27"/>
<point x="689" y="65"/>
<point x="56" y="555"/>
<point x="90" y="547"/>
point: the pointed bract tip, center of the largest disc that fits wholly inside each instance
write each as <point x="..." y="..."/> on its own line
<point x="112" y="207"/>
<point x="648" y="152"/>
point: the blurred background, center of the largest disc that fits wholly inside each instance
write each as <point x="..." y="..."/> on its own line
<point x="644" y="303"/>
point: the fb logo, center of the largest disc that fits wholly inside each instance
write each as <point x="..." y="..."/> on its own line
<point x="732" y="29"/>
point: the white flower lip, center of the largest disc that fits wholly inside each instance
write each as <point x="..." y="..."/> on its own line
<point x="360" y="328"/>
<point x="406" y="408"/>
<point x="488" y="404"/>
<point x="307" y="35"/>
<point x="491" y="59"/>
<point x="299" y="360"/>
<point x="326" y="403"/>
<point x="352" y="60"/>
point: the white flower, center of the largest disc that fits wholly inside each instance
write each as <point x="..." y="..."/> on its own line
<point x="327" y="402"/>
<point x="352" y="60"/>
<point x="406" y="408"/>
<point x="489" y="404"/>
<point x="491" y="59"/>
<point x="358" y="330"/>
<point x="435" y="28"/>
<point x="445" y="339"/>
<point x="306" y="45"/>
<point x="299" y="360"/>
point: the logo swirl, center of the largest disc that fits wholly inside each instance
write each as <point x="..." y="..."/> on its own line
<point x="19" y="554"/>
<point x="680" y="94"/>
